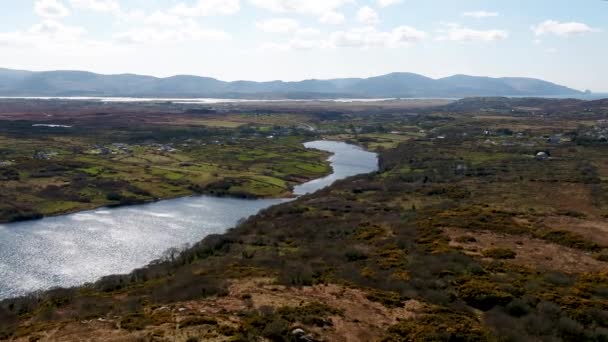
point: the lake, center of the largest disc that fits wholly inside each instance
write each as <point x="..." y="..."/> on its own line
<point x="73" y="249"/>
<point x="184" y="100"/>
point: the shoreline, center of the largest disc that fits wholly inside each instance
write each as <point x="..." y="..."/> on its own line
<point x="211" y="193"/>
<point x="277" y="201"/>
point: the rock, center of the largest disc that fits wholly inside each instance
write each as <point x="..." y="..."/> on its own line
<point x="301" y="335"/>
<point x="298" y="332"/>
<point x="542" y="156"/>
<point x="306" y="338"/>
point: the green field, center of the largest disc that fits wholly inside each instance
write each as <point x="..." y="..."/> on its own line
<point x="52" y="172"/>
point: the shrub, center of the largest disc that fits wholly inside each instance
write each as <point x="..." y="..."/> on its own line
<point x="114" y="196"/>
<point x="499" y="253"/>
<point x="7" y="320"/>
<point x="482" y="294"/>
<point x="559" y="279"/>
<point x="571" y="213"/>
<point x="517" y="308"/>
<point x="439" y="326"/>
<point x="311" y="314"/>
<point x="602" y="256"/>
<point x="354" y="254"/>
<point x="466" y="239"/>
<point x="387" y="298"/>
<point x="135" y="322"/>
<point x="196" y="321"/>
<point x="276" y="329"/>
<point x="274" y="325"/>
<point x="570" y="239"/>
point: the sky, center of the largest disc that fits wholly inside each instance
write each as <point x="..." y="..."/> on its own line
<point x="563" y="41"/>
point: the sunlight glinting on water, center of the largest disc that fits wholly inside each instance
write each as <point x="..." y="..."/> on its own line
<point x="73" y="249"/>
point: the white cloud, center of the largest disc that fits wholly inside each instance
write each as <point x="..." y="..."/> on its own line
<point x="296" y="44"/>
<point x="188" y="31"/>
<point x="457" y="33"/>
<point x="368" y="15"/>
<point x="367" y="37"/>
<point x="301" y="6"/>
<point x="308" y="32"/>
<point x="562" y="29"/>
<point x="173" y="25"/>
<point x="480" y="14"/>
<point x="332" y="18"/>
<point x="206" y="8"/>
<point x="138" y="19"/>
<point x="159" y="18"/>
<point x="363" y="38"/>
<point x="386" y="3"/>
<point x="97" y="5"/>
<point x="49" y="32"/>
<point x="55" y="30"/>
<point x="51" y="9"/>
<point x="278" y="25"/>
<point x="325" y="10"/>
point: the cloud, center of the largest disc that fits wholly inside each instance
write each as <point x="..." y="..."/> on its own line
<point x="189" y="30"/>
<point x="562" y="29"/>
<point x="386" y="3"/>
<point x="480" y="14"/>
<point x="159" y="18"/>
<point x="206" y="8"/>
<point x="295" y="44"/>
<point x="278" y="25"/>
<point x="57" y="31"/>
<point x="97" y="5"/>
<point x="308" y="31"/>
<point x="368" y="15"/>
<point x="46" y="33"/>
<point x="457" y="33"/>
<point x="362" y="37"/>
<point x="301" y="6"/>
<point x="332" y="18"/>
<point x="138" y="19"/>
<point x="325" y="10"/>
<point x="371" y="37"/>
<point x="51" y="9"/>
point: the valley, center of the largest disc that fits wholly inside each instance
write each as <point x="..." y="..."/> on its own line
<point x="486" y="221"/>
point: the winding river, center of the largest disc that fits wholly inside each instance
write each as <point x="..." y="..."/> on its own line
<point x="73" y="249"/>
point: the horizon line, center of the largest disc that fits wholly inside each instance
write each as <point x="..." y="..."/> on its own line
<point x="293" y="81"/>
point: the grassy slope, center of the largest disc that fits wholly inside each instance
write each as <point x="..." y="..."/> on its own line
<point x="78" y="177"/>
<point x="435" y="250"/>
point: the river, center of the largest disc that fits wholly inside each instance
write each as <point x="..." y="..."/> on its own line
<point x="70" y="250"/>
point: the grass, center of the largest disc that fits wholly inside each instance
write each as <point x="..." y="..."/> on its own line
<point x="54" y="207"/>
<point x="381" y="235"/>
<point x="499" y="253"/>
<point x="142" y="171"/>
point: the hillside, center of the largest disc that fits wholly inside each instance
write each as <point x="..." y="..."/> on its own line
<point x="81" y="83"/>
<point x="462" y="235"/>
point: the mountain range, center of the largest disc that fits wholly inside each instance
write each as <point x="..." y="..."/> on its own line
<point x="394" y="85"/>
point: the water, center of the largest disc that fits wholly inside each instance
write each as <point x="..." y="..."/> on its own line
<point x="183" y="100"/>
<point x="350" y="160"/>
<point x="73" y="249"/>
<point x="203" y="101"/>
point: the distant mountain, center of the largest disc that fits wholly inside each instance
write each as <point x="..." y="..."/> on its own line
<point x="402" y="85"/>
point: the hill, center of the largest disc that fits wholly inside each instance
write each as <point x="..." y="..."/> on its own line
<point x="462" y="235"/>
<point x="81" y="83"/>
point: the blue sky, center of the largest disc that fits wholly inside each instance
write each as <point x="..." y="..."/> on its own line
<point x="563" y="41"/>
